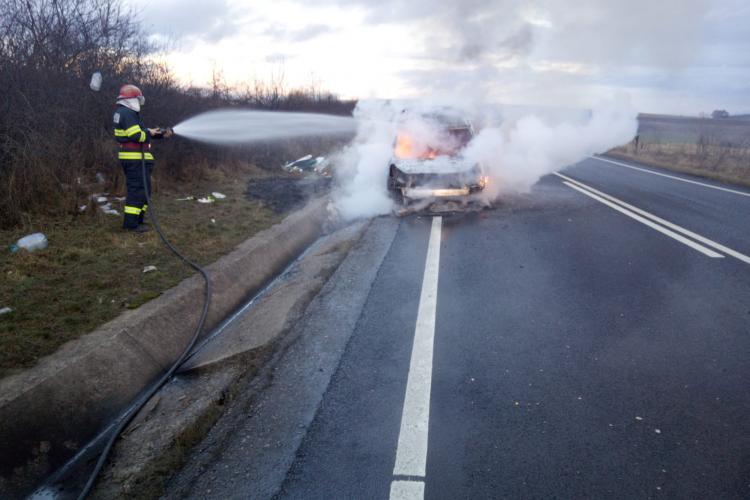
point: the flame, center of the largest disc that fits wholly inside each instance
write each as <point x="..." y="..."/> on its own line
<point x="404" y="147"/>
<point x="407" y="149"/>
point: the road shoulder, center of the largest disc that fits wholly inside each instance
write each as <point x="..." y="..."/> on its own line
<point x="260" y="433"/>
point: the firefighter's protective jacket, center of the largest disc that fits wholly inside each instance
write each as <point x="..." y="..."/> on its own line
<point x="131" y="134"/>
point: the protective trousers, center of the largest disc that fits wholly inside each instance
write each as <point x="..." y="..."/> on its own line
<point x="135" y="201"/>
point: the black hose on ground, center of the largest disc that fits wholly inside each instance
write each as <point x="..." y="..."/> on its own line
<point x="141" y="402"/>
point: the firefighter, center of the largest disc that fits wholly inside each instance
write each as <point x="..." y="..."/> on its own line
<point x="135" y="140"/>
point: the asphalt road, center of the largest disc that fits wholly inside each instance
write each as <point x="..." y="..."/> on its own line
<point x="562" y="345"/>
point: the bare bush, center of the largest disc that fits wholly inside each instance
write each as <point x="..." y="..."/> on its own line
<point x="718" y="149"/>
<point x="55" y="133"/>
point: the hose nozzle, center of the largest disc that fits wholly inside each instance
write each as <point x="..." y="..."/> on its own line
<point x="164" y="131"/>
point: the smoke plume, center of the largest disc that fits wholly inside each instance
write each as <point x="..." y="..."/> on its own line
<point x="484" y="52"/>
<point x="517" y="154"/>
<point x="515" y="148"/>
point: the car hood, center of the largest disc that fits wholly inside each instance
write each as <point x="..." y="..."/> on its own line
<point x="440" y="165"/>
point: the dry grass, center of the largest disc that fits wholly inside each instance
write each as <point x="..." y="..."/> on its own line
<point x="723" y="163"/>
<point x="93" y="271"/>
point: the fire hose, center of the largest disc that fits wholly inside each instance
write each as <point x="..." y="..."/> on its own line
<point x="140" y="402"/>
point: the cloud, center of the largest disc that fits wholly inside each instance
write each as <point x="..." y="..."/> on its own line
<point x="518" y="49"/>
<point x="310" y="32"/>
<point x="279" y="57"/>
<point x="191" y="19"/>
<point x="297" y="35"/>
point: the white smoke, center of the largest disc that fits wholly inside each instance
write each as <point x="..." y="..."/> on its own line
<point x="362" y="167"/>
<point x="517" y="154"/>
<point x="515" y="148"/>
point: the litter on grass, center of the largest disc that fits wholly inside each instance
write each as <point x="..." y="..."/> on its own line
<point x="5" y="310"/>
<point x="211" y="198"/>
<point x="107" y="209"/>
<point x="307" y="164"/>
<point x="149" y="269"/>
<point x="31" y="243"/>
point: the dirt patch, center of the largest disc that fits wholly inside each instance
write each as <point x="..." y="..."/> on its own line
<point x="284" y="194"/>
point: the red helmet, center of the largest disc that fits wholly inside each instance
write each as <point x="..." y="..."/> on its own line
<point x="129" y="91"/>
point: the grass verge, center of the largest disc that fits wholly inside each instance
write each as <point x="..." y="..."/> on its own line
<point x="92" y="270"/>
<point x="730" y="165"/>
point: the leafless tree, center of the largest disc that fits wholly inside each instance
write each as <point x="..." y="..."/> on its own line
<point x="55" y="133"/>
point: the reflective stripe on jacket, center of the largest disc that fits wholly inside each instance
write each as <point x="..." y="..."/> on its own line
<point x="134" y="155"/>
<point x="131" y="134"/>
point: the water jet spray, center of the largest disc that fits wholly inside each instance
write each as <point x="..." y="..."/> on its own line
<point x="238" y="126"/>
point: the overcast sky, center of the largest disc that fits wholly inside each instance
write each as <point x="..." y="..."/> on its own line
<point x="672" y="56"/>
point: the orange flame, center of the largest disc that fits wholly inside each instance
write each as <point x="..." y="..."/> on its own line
<point x="407" y="149"/>
<point x="404" y="148"/>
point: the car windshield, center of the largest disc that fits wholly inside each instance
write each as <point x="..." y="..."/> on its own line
<point x="427" y="145"/>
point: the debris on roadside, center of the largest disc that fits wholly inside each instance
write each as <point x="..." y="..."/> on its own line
<point x="31" y="243"/>
<point x="210" y="198"/>
<point x="149" y="269"/>
<point x="107" y="209"/>
<point x="5" y="310"/>
<point x="308" y="163"/>
<point x="102" y="201"/>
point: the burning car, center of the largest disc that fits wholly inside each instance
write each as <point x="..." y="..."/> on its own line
<point x="428" y="163"/>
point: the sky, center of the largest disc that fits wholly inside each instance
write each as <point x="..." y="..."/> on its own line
<point x="668" y="56"/>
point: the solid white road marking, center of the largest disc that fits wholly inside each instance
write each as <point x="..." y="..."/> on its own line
<point x="411" y="454"/>
<point x="717" y="246"/>
<point x="671" y="176"/>
<point x="643" y="220"/>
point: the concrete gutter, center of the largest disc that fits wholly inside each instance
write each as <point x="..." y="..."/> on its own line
<point x="232" y="366"/>
<point x="48" y="412"/>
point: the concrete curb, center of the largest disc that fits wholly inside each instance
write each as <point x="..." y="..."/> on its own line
<point x="51" y="410"/>
<point x="180" y="416"/>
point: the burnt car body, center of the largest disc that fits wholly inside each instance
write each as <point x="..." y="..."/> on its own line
<point x="436" y="169"/>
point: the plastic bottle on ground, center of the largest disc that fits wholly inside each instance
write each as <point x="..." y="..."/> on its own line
<point x="32" y="242"/>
